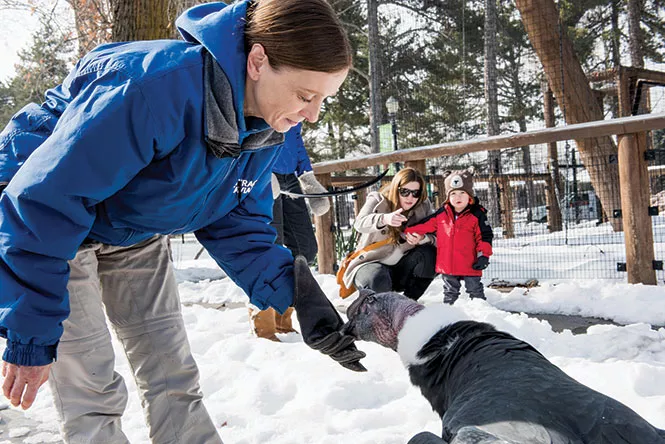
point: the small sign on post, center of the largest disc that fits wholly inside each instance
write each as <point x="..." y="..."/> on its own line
<point x="386" y="143"/>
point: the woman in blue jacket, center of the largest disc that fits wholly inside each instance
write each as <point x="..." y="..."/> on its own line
<point x="141" y="140"/>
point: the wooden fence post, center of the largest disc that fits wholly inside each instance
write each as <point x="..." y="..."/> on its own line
<point x="506" y="209"/>
<point x="441" y="197"/>
<point x="553" y="212"/>
<point x="324" y="234"/>
<point x="359" y="201"/>
<point x="634" y="187"/>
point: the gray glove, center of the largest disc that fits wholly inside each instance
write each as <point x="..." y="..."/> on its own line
<point x="309" y="185"/>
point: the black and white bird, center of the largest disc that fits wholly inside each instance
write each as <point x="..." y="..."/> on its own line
<point x="488" y="386"/>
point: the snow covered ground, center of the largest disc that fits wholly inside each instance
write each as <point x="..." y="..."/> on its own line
<point x="258" y="391"/>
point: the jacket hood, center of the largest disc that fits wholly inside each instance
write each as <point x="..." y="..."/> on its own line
<point x="220" y="29"/>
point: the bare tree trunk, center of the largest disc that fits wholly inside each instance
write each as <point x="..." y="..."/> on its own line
<point x="141" y="20"/>
<point x="515" y="64"/>
<point x="374" y="43"/>
<point x="615" y="48"/>
<point x="635" y="36"/>
<point x="341" y="141"/>
<point x="616" y="34"/>
<point x="491" y="99"/>
<point x="330" y="129"/>
<point x="574" y="95"/>
<point x="636" y="43"/>
<point x="554" y="211"/>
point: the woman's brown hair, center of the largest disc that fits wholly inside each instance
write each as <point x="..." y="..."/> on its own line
<point x="301" y="34"/>
<point x="391" y="193"/>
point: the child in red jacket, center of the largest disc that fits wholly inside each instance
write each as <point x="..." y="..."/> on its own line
<point x="463" y="237"/>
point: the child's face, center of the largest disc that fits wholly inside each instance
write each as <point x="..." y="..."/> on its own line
<point x="458" y="199"/>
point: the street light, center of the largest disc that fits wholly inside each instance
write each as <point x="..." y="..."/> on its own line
<point x="392" y="105"/>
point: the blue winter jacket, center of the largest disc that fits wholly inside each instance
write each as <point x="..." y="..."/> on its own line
<point x="117" y="153"/>
<point x="293" y="157"/>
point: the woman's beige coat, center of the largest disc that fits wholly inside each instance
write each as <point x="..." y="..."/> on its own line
<point x="369" y="225"/>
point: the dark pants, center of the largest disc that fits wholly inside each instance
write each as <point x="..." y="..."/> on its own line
<point x="452" y="285"/>
<point x="412" y="274"/>
<point x="292" y="221"/>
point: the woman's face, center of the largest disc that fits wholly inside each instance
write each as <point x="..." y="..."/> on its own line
<point x="406" y="195"/>
<point x="286" y="97"/>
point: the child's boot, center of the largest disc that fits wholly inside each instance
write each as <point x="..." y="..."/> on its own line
<point x="449" y="299"/>
<point x="474" y="287"/>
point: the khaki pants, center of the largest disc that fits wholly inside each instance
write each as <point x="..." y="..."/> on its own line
<point x="136" y="288"/>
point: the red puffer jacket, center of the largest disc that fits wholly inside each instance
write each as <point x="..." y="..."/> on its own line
<point x="458" y="241"/>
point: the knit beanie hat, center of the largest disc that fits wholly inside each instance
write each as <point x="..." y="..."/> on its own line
<point x="459" y="180"/>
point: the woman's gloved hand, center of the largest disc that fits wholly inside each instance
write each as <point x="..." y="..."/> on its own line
<point x="320" y="324"/>
<point x="309" y="185"/>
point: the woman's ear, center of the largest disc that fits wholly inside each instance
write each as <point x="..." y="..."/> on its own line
<point x="256" y="60"/>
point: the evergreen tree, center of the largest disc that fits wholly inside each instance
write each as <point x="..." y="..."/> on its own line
<point x="433" y="63"/>
<point x="42" y="66"/>
<point x="654" y="32"/>
<point x="343" y="126"/>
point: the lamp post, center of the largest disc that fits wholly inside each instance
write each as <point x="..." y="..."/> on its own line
<point x="392" y="105"/>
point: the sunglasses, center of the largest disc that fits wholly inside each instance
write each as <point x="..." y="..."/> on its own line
<point x="404" y="192"/>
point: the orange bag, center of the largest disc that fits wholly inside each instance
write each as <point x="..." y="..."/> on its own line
<point x="344" y="291"/>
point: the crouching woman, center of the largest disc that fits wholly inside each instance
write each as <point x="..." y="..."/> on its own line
<point x="393" y="261"/>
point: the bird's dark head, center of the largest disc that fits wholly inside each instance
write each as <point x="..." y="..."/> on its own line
<point x="379" y="317"/>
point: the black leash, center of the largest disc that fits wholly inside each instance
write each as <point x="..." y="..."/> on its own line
<point x="340" y="192"/>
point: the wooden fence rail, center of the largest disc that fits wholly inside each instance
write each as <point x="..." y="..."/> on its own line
<point x="623" y="125"/>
